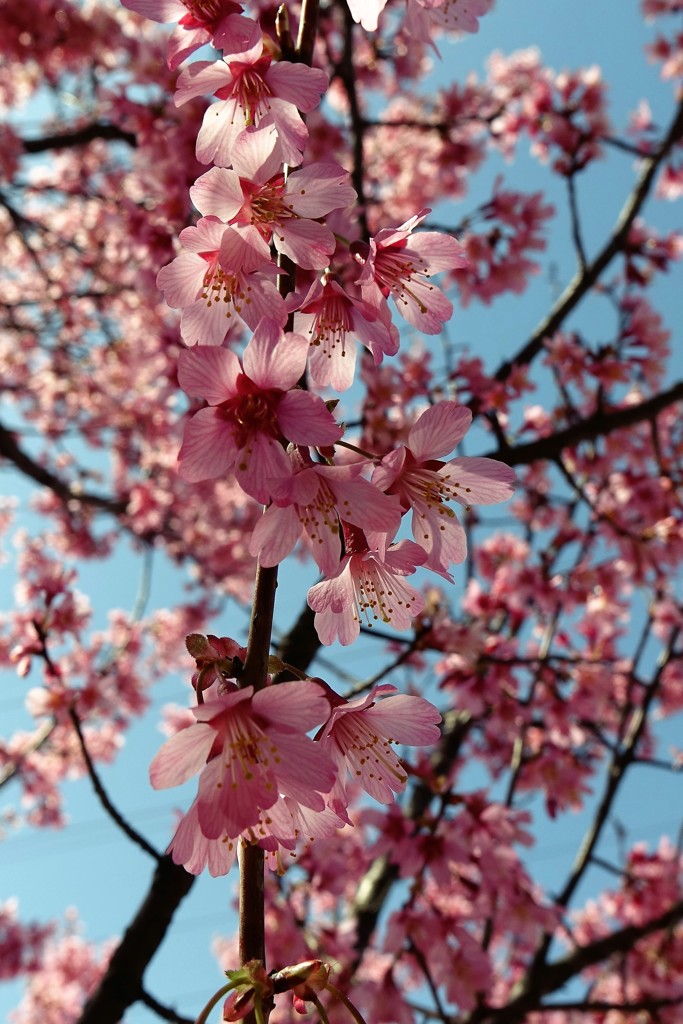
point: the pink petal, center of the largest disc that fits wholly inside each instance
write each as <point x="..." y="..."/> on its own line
<point x="300" y="705"/>
<point x="210" y="373"/>
<point x="304" y="419"/>
<point x="307" y="243"/>
<point x="181" y="280"/>
<point x="222" y="123"/>
<point x="439" y="251"/>
<point x="182" y="756"/>
<point x="319" y="188"/>
<point x="438" y="430"/>
<point x="480" y="481"/>
<point x="298" y="85"/>
<point x="218" y="192"/>
<point x="275" y="534"/>
<point x="208" y="449"/>
<point x="201" y="78"/>
<point x="292" y="132"/>
<point x="162" y="11"/>
<point x="256" y="154"/>
<point x="273" y="359"/>
<point x="243" y="249"/>
<point x="261" y="463"/>
<point x="404" y="718"/>
<point x="207" y="323"/>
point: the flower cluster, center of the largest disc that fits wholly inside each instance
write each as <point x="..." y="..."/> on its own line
<point x="261" y="776"/>
<point x="262" y="423"/>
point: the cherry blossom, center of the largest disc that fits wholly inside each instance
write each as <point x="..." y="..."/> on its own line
<point x="213" y="296"/>
<point x="199" y="22"/>
<point x="400" y="264"/>
<point x="252" y="411"/>
<point x="312" y="502"/>
<point x="255" y="192"/>
<point x="248" y="747"/>
<point x="250" y="89"/>
<point x="359" y="733"/>
<point x="331" y="316"/>
<point x="424" y="483"/>
<point x="367" y="584"/>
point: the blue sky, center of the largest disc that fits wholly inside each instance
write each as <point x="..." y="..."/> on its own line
<point x="88" y="865"/>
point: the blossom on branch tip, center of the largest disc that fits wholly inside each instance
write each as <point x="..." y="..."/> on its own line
<point x="395" y="262"/>
<point x="424" y="483"/>
<point x="253" y="411"/>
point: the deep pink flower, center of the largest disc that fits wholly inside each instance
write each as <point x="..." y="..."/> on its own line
<point x="252" y="412"/>
<point x="312" y="502"/>
<point x="400" y="264"/>
<point x="213" y="298"/>
<point x="199" y="22"/>
<point x="256" y="193"/>
<point x="424" y="483"/>
<point x="359" y="733"/>
<point x="331" y="318"/>
<point x="251" y="90"/>
<point x="368" y="583"/>
<point x="250" y="748"/>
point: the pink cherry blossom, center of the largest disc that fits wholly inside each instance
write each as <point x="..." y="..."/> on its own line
<point x="400" y="264"/>
<point x="313" y="501"/>
<point x="214" y="298"/>
<point x="256" y="193"/>
<point x="359" y="733"/>
<point x="370" y="584"/>
<point x="331" y="316"/>
<point x="199" y="22"/>
<point x="249" y="747"/>
<point x="422" y="16"/>
<point x="252" y="91"/>
<point x="424" y="483"/>
<point x="252" y="412"/>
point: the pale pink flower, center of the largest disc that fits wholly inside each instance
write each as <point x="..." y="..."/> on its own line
<point x="251" y="90"/>
<point x="256" y="193"/>
<point x="425" y="484"/>
<point x="250" y="748"/>
<point x="331" y="318"/>
<point x="359" y="733"/>
<point x="422" y="16"/>
<point x="370" y="584"/>
<point x="213" y="298"/>
<point x="366" y="12"/>
<point x="199" y="22"/>
<point x="400" y="264"/>
<point x="312" y="502"/>
<point x="253" y="412"/>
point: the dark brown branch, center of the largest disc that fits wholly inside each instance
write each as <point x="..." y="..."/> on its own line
<point x="10" y="450"/>
<point x="555" y="975"/>
<point x="80" y="137"/>
<point x="103" y="796"/>
<point x="596" y="425"/>
<point x="165" y="1012"/>
<point x="121" y="985"/>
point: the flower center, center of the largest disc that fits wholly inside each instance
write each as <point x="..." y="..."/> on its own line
<point x="248" y="88"/>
